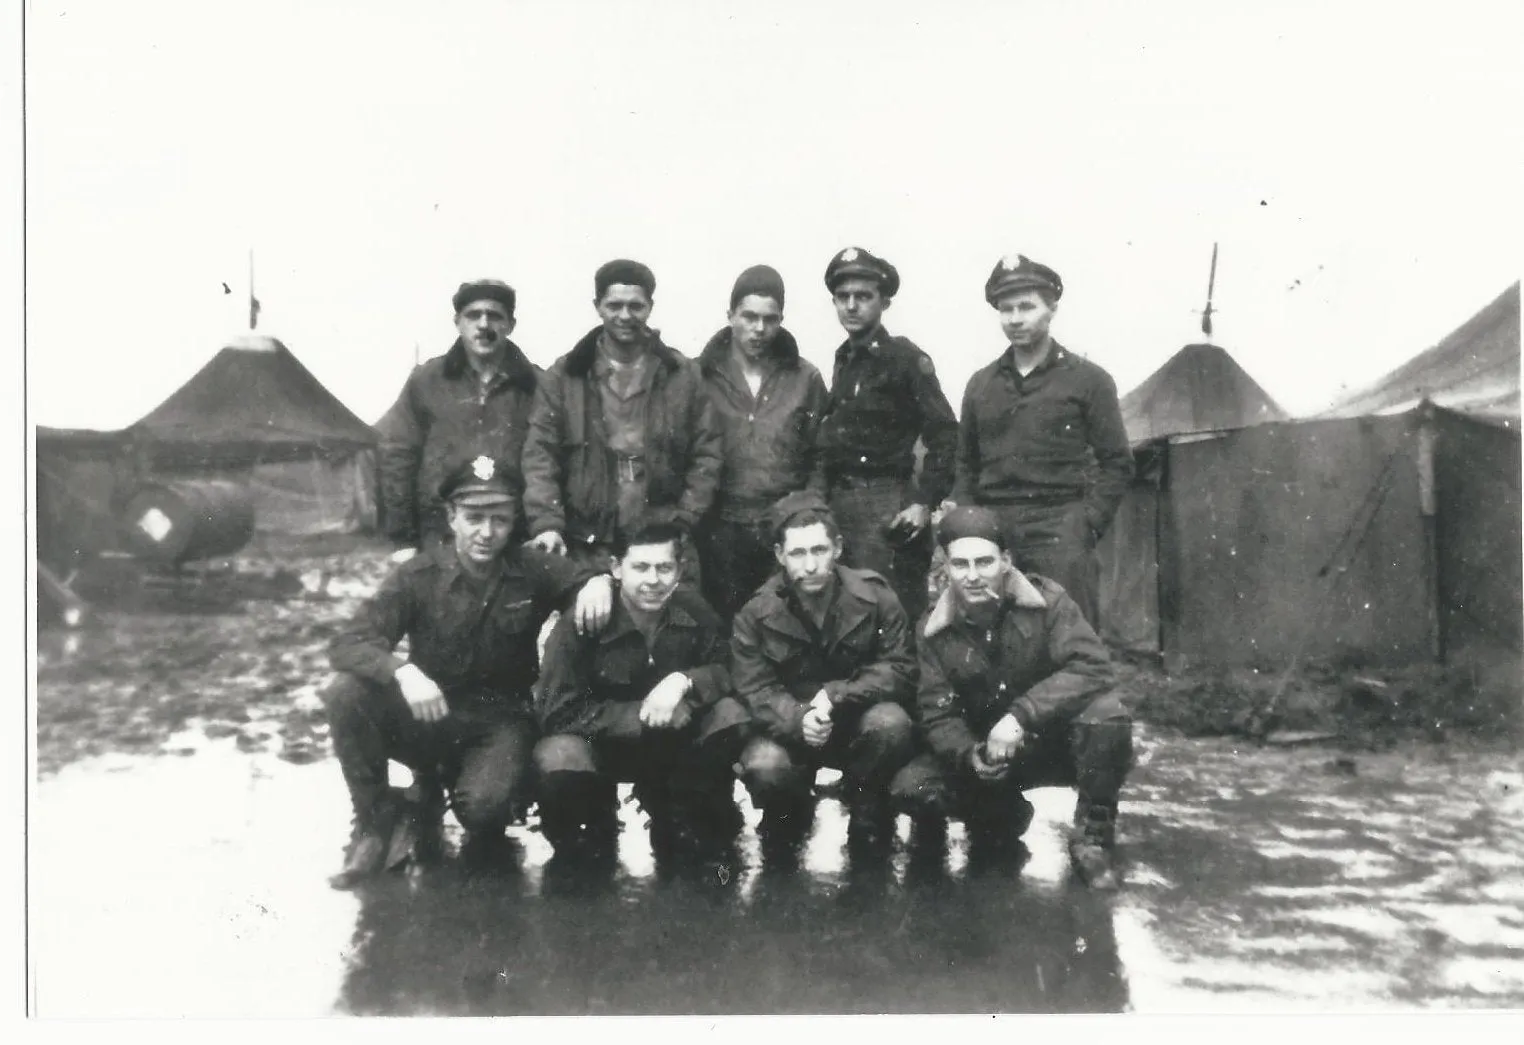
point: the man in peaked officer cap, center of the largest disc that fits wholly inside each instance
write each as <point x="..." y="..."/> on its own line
<point x="459" y="706"/>
<point x="473" y="400"/>
<point x="1032" y="423"/>
<point x="1015" y="692"/>
<point x="884" y="396"/>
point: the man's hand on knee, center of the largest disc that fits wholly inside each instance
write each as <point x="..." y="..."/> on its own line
<point x="424" y="697"/>
<point x="663" y="707"/>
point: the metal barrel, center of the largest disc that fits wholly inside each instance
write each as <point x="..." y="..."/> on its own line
<point x="171" y="521"/>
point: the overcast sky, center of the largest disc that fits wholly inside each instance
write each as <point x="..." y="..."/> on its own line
<point x="1358" y="162"/>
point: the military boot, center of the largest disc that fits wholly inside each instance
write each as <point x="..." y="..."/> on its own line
<point x="784" y="827"/>
<point x="370" y="842"/>
<point x="870" y="827"/>
<point x="1092" y="845"/>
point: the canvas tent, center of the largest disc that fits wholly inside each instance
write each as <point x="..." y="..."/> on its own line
<point x="1389" y="532"/>
<point x="253" y="403"/>
<point x="254" y="412"/>
<point x="254" y="409"/>
<point x="1200" y="388"/>
<point x="1474" y="372"/>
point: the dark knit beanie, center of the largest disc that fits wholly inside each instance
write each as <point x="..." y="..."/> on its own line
<point x="762" y="280"/>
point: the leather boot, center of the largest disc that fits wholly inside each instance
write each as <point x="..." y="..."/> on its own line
<point x="1092" y="845"/>
<point x="370" y="840"/>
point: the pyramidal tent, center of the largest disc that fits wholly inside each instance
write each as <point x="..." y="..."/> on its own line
<point x="253" y="403"/>
<point x="1387" y="533"/>
<point x="1201" y="388"/>
<point x="1474" y="371"/>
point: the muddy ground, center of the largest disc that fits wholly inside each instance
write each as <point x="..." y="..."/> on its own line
<point x="1379" y="867"/>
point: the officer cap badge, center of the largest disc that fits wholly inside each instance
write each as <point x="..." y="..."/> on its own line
<point x="850" y="254"/>
<point x="484" y="468"/>
<point x="1011" y="262"/>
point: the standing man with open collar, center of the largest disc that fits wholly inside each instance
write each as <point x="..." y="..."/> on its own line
<point x="769" y="402"/>
<point x="1041" y="441"/>
<point x="474" y="400"/>
<point x="884" y="395"/>
<point x="622" y="433"/>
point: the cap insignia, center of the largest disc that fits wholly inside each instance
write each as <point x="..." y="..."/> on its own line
<point x="1011" y="262"/>
<point x="484" y="468"/>
<point x="850" y="254"/>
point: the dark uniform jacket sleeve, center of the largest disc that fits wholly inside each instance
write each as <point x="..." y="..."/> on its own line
<point x="817" y="401"/>
<point x="556" y="580"/>
<point x="939" y="431"/>
<point x="1084" y="671"/>
<point x="401" y="432"/>
<point x="564" y="701"/>
<point x="710" y="671"/>
<point x="542" y="464"/>
<point x="891" y="676"/>
<point x="776" y="712"/>
<point x="941" y="710"/>
<point x="706" y="458"/>
<point x="364" y="646"/>
<point x="1113" y="455"/>
<point x="966" y="460"/>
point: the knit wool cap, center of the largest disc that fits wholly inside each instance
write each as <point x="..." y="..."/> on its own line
<point x="970" y="521"/>
<point x="762" y="280"/>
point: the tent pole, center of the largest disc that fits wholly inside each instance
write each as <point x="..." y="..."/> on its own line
<point x="1428" y="509"/>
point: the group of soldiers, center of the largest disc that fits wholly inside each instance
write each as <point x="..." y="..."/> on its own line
<point x="739" y="556"/>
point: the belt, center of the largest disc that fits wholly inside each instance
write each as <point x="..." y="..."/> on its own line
<point x="860" y="481"/>
<point x="630" y="468"/>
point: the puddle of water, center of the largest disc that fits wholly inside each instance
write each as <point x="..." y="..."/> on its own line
<point x="187" y="887"/>
<point x="195" y="885"/>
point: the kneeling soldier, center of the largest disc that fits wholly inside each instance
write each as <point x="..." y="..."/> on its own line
<point x="821" y="655"/>
<point x="459" y="703"/>
<point x="645" y="701"/>
<point x="1015" y="693"/>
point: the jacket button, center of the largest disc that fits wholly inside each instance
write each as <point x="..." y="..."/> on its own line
<point x="863" y="460"/>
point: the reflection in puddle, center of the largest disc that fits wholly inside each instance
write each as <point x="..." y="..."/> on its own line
<point x="1307" y="890"/>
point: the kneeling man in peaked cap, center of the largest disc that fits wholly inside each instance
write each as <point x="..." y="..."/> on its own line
<point x="821" y="654"/>
<point x="459" y="704"/>
<point x="1015" y="692"/>
<point x="647" y="701"/>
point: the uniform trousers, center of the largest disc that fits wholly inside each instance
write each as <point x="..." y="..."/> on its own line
<point x="480" y="751"/>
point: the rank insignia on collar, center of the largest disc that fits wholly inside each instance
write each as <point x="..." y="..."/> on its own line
<point x="1011" y="262"/>
<point x="483" y="468"/>
<point x="850" y="254"/>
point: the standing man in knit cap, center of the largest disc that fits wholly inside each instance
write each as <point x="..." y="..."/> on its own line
<point x="769" y="403"/>
<point x="459" y="703"/>
<point x="1041" y="440"/>
<point x="1015" y="692"/>
<point x="821" y="655"/>
<point x="884" y="395"/>
<point x="473" y="400"/>
<point x="622" y="433"/>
